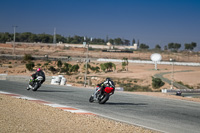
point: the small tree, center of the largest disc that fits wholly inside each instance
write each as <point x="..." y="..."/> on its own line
<point x="109" y="66"/>
<point x="28" y="57"/>
<point x="158" y="47"/>
<point x="95" y="69"/>
<point x="59" y="63"/>
<point x="38" y="65"/>
<point x="67" y="68"/>
<point x="125" y="63"/>
<point x="157" y="83"/>
<point x="30" y="66"/>
<point x="88" y="66"/>
<point x="144" y="46"/>
<point x="52" y="69"/>
<point x="103" y="67"/>
<point x="190" y="46"/>
<point x="75" y="68"/>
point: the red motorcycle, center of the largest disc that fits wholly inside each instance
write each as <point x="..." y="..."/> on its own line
<point x="101" y="98"/>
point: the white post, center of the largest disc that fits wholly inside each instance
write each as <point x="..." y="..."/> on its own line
<point x="172" y="76"/>
<point x="14" y="40"/>
<point x="155" y="65"/>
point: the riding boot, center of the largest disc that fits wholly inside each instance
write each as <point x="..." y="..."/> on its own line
<point x="28" y="88"/>
<point x="101" y="91"/>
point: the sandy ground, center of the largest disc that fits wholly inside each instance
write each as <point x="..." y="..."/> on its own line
<point x="18" y="115"/>
<point x="142" y="72"/>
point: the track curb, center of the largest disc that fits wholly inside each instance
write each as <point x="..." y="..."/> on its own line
<point x="58" y="106"/>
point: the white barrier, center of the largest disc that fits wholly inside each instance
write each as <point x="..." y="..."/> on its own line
<point x="151" y="62"/>
<point x="63" y="81"/>
<point x="58" y="80"/>
<point x="119" y="89"/>
<point x="181" y="90"/>
<point x="55" y="80"/>
<point x="3" y="76"/>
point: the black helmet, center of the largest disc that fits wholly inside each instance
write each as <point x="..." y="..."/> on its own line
<point x="108" y="79"/>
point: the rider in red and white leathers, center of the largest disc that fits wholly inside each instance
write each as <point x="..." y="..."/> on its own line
<point x="107" y="83"/>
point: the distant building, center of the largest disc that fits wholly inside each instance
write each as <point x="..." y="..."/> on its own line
<point x="110" y="45"/>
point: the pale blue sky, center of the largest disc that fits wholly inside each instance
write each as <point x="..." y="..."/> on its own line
<point x="151" y="21"/>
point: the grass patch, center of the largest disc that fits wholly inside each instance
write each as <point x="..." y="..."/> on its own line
<point x="132" y="87"/>
<point x="188" y="86"/>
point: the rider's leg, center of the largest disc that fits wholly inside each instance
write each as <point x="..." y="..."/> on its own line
<point x="30" y="85"/>
<point x="101" y="90"/>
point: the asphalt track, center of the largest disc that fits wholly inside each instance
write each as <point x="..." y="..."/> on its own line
<point x="166" y="115"/>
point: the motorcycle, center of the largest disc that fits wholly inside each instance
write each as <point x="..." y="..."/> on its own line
<point x="34" y="83"/>
<point x="101" y="98"/>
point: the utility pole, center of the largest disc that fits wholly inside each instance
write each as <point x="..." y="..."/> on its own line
<point x="14" y="27"/>
<point x="86" y="61"/>
<point x="54" y="36"/>
<point x="87" y="45"/>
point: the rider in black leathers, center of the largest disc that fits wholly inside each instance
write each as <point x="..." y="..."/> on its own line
<point x="39" y="72"/>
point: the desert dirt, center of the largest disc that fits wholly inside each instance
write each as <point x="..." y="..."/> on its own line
<point x="142" y="73"/>
<point x="19" y="115"/>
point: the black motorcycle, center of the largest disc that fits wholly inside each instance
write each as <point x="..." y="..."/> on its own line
<point x="35" y="83"/>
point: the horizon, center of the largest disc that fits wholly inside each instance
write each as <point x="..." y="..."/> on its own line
<point x="151" y="22"/>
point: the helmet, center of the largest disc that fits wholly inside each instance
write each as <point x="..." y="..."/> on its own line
<point x="38" y="69"/>
<point x="108" y="79"/>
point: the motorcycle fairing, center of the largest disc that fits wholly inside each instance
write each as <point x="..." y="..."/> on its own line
<point x="108" y="89"/>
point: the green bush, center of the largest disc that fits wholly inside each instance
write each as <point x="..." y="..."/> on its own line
<point x="38" y="64"/>
<point x="108" y="66"/>
<point x="46" y="64"/>
<point x="157" y="83"/>
<point x="75" y="68"/>
<point x="52" y="69"/>
<point x="30" y="66"/>
<point x="132" y="87"/>
<point x="59" y="63"/>
<point x="190" y="87"/>
<point x="67" y="68"/>
<point x="28" y="57"/>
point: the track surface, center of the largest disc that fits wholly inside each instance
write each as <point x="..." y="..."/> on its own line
<point x="166" y="115"/>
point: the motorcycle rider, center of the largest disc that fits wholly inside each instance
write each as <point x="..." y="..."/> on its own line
<point x="107" y="83"/>
<point x="39" y="72"/>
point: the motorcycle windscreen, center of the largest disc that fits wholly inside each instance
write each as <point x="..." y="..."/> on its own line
<point x="108" y="89"/>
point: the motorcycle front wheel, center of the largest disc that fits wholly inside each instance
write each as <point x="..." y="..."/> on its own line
<point x="91" y="99"/>
<point x="36" y="86"/>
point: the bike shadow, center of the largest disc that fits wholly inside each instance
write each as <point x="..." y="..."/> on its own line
<point x="132" y="104"/>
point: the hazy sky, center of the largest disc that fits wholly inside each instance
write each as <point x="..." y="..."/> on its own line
<point x="149" y="21"/>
